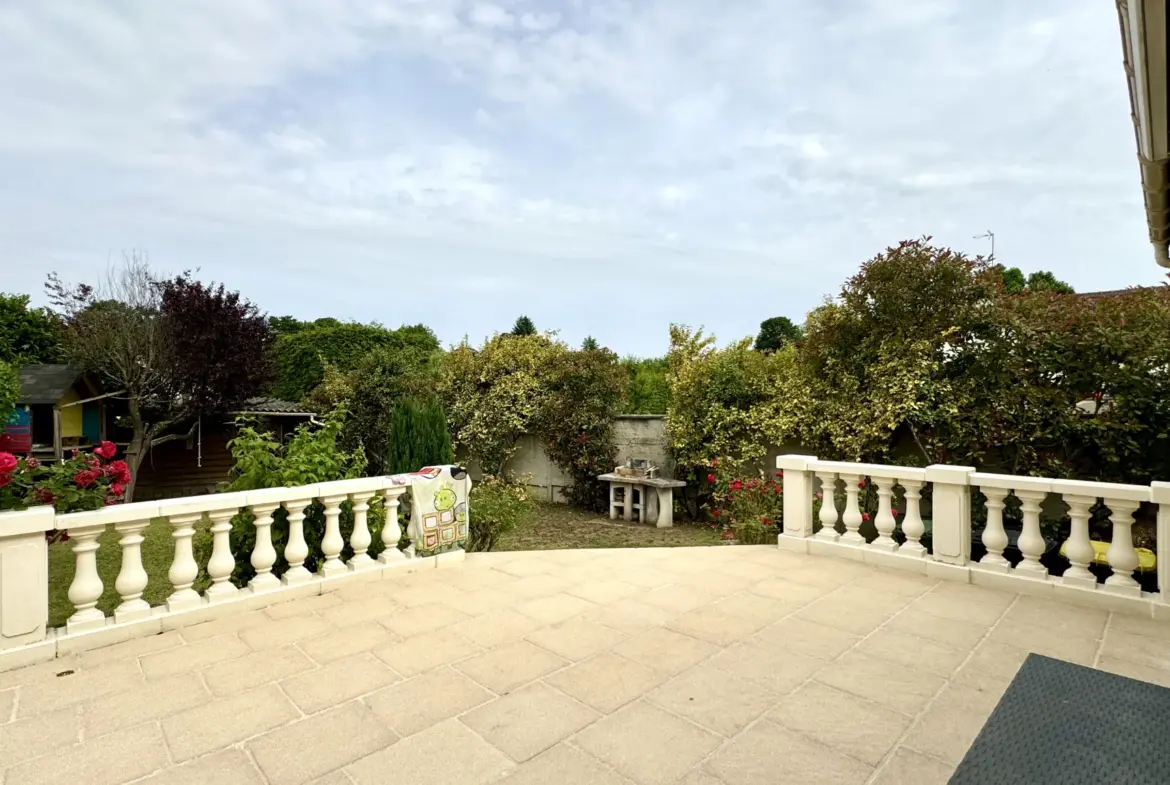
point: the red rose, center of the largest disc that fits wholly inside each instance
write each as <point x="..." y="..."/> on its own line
<point x="116" y="489"/>
<point x="865" y="516"/>
<point x="779" y="474"/>
<point x="765" y="520"/>
<point x="715" y="462"/>
<point x="8" y="463"/>
<point x="715" y="513"/>
<point x="31" y="463"/>
<point x="777" y="489"/>
<point x="106" y="450"/>
<point x="710" y="478"/>
<point x="737" y="485"/>
<point x="85" y="478"/>
<point x="861" y="484"/>
<point x="119" y="471"/>
<point x="45" y="496"/>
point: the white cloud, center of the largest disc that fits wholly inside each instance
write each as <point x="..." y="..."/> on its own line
<point x="521" y="155"/>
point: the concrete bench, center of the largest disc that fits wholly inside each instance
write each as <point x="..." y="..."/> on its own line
<point x="654" y="498"/>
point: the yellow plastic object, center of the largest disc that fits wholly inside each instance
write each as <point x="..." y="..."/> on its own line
<point x="1147" y="561"/>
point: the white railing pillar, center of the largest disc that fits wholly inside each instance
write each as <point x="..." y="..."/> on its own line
<point x="360" y="539"/>
<point x="132" y="578"/>
<point x="884" y="520"/>
<point x="995" y="537"/>
<point x="86" y="588"/>
<point x="332" y="542"/>
<point x="391" y="531"/>
<point x="184" y="570"/>
<point x="1122" y="556"/>
<point x="296" y="550"/>
<point x="798" y="494"/>
<point x="222" y="562"/>
<point x="950" y="512"/>
<point x="263" y="553"/>
<point x="912" y="525"/>
<point x="852" y="515"/>
<point x="829" y="514"/>
<point x="1160" y="495"/>
<point x="1079" y="548"/>
<point x="24" y="576"/>
<point x="1031" y="543"/>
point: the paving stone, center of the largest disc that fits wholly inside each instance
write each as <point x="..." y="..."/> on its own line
<point x="1059" y="617"/>
<point x="534" y="586"/>
<point x="903" y="689"/>
<point x="768" y="753"/>
<point x="714" y="626"/>
<point x="1141" y="649"/>
<point x="317" y="745"/>
<point x="408" y="622"/>
<point x="110" y="760"/>
<point x="366" y="609"/>
<point x="754" y="608"/>
<point x="904" y="584"/>
<point x="555" y="608"/>
<point x="907" y="767"/>
<point x="789" y="592"/>
<point x="630" y="616"/>
<point x="482" y="601"/>
<point x="676" y="599"/>
<point x="607" y="682"/>
<point x="193" y="656"/>
<point x="964" y="602"/>
<point x="225" y="625"/>
<point x="283" y="632"/>
<point x="529" y="720"/>
<point x="446" y="754"/>
<point x="850" y="725"/>
<point x="424" y="652"/>
<point x="577" y="639"/>
<point x="603" y="592"/>
<point x="84" y="684"/>
<point x="845" y="613"/>
<point x="1030" y="638"/>
<point x="564" y="765"/>
<point x="911" y="651"/>
<point x="505" y="668"/>
<point x="342" y="642"/>
<point x="253" y="670"/>
<point x="949" y="727"/>
<point x="961" y="634"/>
<point x="647" y="744"/>
<point x="225" y="721"/>
<point x="151" y="701"/>
<point x="24" y="739"/>
<point x="135" y="647"/>
<point x="717" y="700"/>
<point x="338" y="682"/>
<point x="228" y="766"/>
<point x="7" y="704"/>
<point x="665" y="650"/>
<point x="807" y="638"/>
<point x="777" y="671"/>
<point x="303" y="606"/>
<point x="493" y="629"/>
<point x="1134" y="670"/>
<point x="1139" y="625"/>
<point x="418" y="703"/>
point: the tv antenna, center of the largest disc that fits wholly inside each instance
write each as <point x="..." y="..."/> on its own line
<point x="990" y="235"/>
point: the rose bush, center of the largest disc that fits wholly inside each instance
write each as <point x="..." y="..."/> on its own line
<point x="746" y="505"/>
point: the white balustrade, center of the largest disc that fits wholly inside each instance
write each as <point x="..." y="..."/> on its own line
<point x="884" y="521"/>
<point x="360" y="540"/>
<point x="332" y="543"/>
<point x="184" y="570"/>
<point x="1122" y="556"/>
<point x="1079" y="548"/>
<point x="263" y="553"/>
<point x="1031" y="543"/>
<point x="296" y="550"/>
<point x="852" y="516"/>
<point x="912" y="525"/>
<point x="86" y="588"/>
<point x="391" y="531"/>
<point x="828" y="515"/>
<point x="222" y="562"/>
<point x="132" y="578"/>
<point x="994" y="537"/>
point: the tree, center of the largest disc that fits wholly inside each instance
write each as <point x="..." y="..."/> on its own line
<point x="777" y="332"/>
<point x="420" y="437"/>
<point x="647" y="389"/>
<point x="384" y="378"/>
<point x="27" y="335"/>
<point x="164" y="346"/>
<point x="589" y="344"/>
<point x="1014" y="281"/>
<point x="9" y="391"/>
<point x="524" y="326"/>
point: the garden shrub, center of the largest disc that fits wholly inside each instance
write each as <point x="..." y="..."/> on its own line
<point x="746" y="504"/>
<point x="419" y="437"/>
<point x="648" y="390"/>
<point x="497" y="507"/>
<point x="312" y="455"/>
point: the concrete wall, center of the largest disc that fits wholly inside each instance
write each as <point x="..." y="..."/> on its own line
<point x="635" y="435"/>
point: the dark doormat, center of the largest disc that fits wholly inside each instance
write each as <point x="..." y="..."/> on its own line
<point x="1066" y="724"/>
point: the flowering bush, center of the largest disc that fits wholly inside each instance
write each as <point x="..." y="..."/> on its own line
<point x="86" y="481"/>
<point x="746" y="506"/>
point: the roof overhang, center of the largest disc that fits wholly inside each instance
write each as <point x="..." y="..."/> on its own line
<point x="1143" y="41"/>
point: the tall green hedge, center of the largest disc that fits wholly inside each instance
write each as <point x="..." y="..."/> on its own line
<point x="301" y="356"/>
<point x="419" y="437"/>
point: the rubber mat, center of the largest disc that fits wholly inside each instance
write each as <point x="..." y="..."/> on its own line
<point x="1065" y="724"/>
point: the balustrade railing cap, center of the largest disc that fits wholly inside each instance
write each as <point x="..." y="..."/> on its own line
<point x="1160" y="492"/>
<point x="269" y="496"/>
<point x="795" y="463"/>
<point x="115" y="513"/>
<point x="879" y="470"/>
<point x="950" y="475"/>
<point x="30" y="521"/>
<point x="1012" y="482"/>
<point x="1108" y="490"/>
<point x="206" y="503"/>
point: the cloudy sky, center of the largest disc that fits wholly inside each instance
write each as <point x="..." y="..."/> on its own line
<point x="605" y="166"/>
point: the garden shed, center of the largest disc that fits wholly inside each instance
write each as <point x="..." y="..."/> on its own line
<point x="60" y="407"/>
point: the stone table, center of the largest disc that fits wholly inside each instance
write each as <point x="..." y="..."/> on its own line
<point x="661" y="500"/>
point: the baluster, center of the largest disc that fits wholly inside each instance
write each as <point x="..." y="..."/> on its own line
<point x="1079" y="548"/>
<point x="360" y="540"/>
<point x="263" y="554"/>
<point x="184" y="570"/>
<point x="391" y="532"/>
<point x="222" y="562"/>
<point x="86" y="588"/>
<point x="1031" y="543"/>
<point x="912" y="525"/>
<point x="829" y="513"/>
<point x="332" y="543"/>
<point x="852" y="516"/>
<point x="994" y="537"/>
<point x="884" y="520"/>
<point x="1123" y="559"/>
<point x="132" y="578"/>
<point x="296" y="550"/>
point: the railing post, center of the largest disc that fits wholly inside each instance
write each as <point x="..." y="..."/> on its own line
<point x="1160" y="495"/>
<point x="24" y="576"/>
<point x="950" y="512"/>
<point x="798" y="494"/>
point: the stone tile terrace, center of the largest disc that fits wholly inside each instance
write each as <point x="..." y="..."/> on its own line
<point x="703" y="666"/>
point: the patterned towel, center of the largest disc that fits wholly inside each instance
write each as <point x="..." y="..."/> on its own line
<point x="438" y="509"/>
